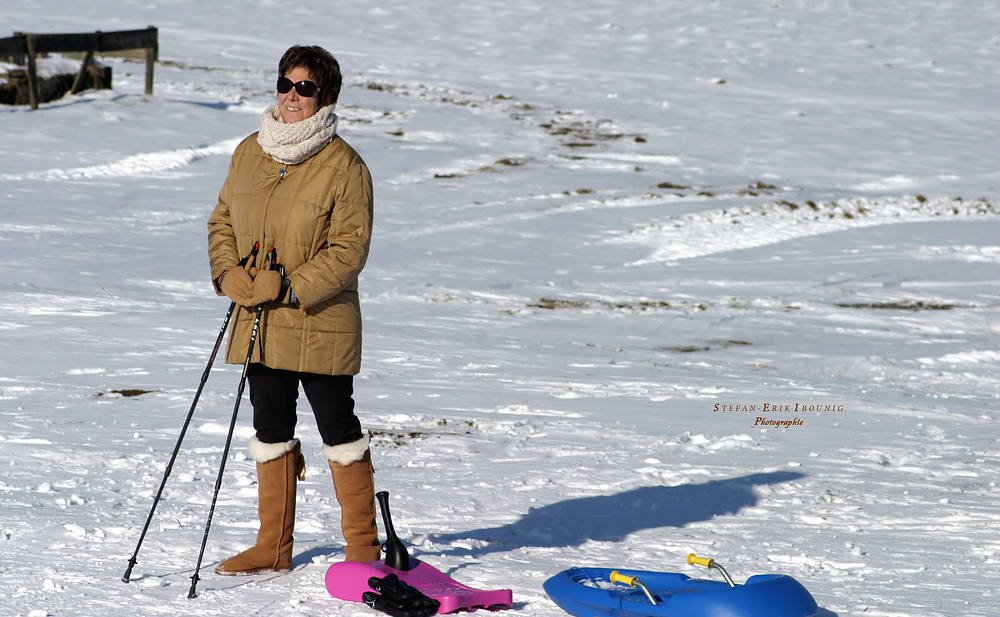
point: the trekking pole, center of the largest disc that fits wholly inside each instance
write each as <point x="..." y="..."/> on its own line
<point x="187" y="422"/>
<point x="192" y="593"/>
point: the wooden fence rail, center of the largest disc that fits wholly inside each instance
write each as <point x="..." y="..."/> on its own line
<point x="25" y="47"/>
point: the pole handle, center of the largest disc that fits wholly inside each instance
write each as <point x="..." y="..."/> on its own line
<point x="253" y="253"/>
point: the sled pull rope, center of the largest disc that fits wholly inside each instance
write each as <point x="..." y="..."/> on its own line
<point x="585" y="573"/>
<point x="632" y="581"/>
<point x="695" y="560"/>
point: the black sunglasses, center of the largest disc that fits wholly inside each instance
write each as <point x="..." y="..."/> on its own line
<point x="304" y="88"/>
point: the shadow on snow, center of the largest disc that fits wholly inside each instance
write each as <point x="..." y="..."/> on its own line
<point x="610" y="518"/>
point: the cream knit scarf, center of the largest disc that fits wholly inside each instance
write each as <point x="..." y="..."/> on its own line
<point x="291" y="144"/>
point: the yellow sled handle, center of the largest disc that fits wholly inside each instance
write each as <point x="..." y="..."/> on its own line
<point x="618" y="577"/>
<point x="695" y="560"/>
<point x="632" y="581"/>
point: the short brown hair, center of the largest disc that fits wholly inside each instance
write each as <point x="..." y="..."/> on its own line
<point x="324" y="68"/>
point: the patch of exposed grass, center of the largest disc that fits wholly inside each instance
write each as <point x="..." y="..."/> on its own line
<point x="695" y="348"/>
<point x="507" y="162"/>
<point x="904" y="305"/>
<point x="683" y="348"/>
<point x="128" y="392"/>
<point x="398" y="438"/>
<point x="582" y="133"/>
<point x="753" y="189"/>
<point x="402" y="438"/>
<point x="554" y="303"/>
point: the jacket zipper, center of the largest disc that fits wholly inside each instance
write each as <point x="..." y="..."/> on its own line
<point x="281" y="176"/>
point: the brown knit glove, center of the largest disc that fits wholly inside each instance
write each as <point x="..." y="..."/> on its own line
<point x="238" y="285"/>
<point x="267" y="287"/>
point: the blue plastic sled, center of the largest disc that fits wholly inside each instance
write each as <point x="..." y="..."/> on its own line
<point x="593" y="592"/>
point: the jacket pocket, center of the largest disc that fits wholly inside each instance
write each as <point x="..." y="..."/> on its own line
<point x="341" y="313"/>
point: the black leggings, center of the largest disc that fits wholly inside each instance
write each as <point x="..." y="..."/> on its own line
<point x="273" y="393"/>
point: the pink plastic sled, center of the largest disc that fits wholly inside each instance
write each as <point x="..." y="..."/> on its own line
<point x="349" y="580"/>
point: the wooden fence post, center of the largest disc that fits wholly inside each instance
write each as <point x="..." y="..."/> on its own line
<point x="78" y="83"/>
<point x="151" y="55"/>
<point x="32" y="71"/>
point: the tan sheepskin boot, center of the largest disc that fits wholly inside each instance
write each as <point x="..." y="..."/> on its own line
<point x="279" y="467"/>
<point x="354" y="482"/>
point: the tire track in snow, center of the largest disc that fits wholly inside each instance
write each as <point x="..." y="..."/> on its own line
<point x="718" y="231"/>
<point x="136" y="165"/>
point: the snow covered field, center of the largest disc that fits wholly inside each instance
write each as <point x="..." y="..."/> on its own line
<point x="606" y="237"/>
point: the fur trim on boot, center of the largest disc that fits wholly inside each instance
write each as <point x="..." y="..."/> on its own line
<point x="263" y="452"/>
<point x="347" y="453"/>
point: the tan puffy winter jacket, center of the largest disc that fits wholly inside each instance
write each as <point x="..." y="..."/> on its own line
<point x="318" y="217"/>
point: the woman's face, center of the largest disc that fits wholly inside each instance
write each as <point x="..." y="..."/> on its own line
<point x="294" y="107"/>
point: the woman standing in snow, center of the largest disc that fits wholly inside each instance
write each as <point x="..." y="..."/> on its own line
<point x="297" y="187"/>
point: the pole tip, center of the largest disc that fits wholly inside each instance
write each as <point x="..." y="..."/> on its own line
<point x="193" y="593"/>
<point x="128" y="571"/>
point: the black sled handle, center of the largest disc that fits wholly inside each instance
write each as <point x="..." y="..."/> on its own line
<point x="395" y="553"/>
